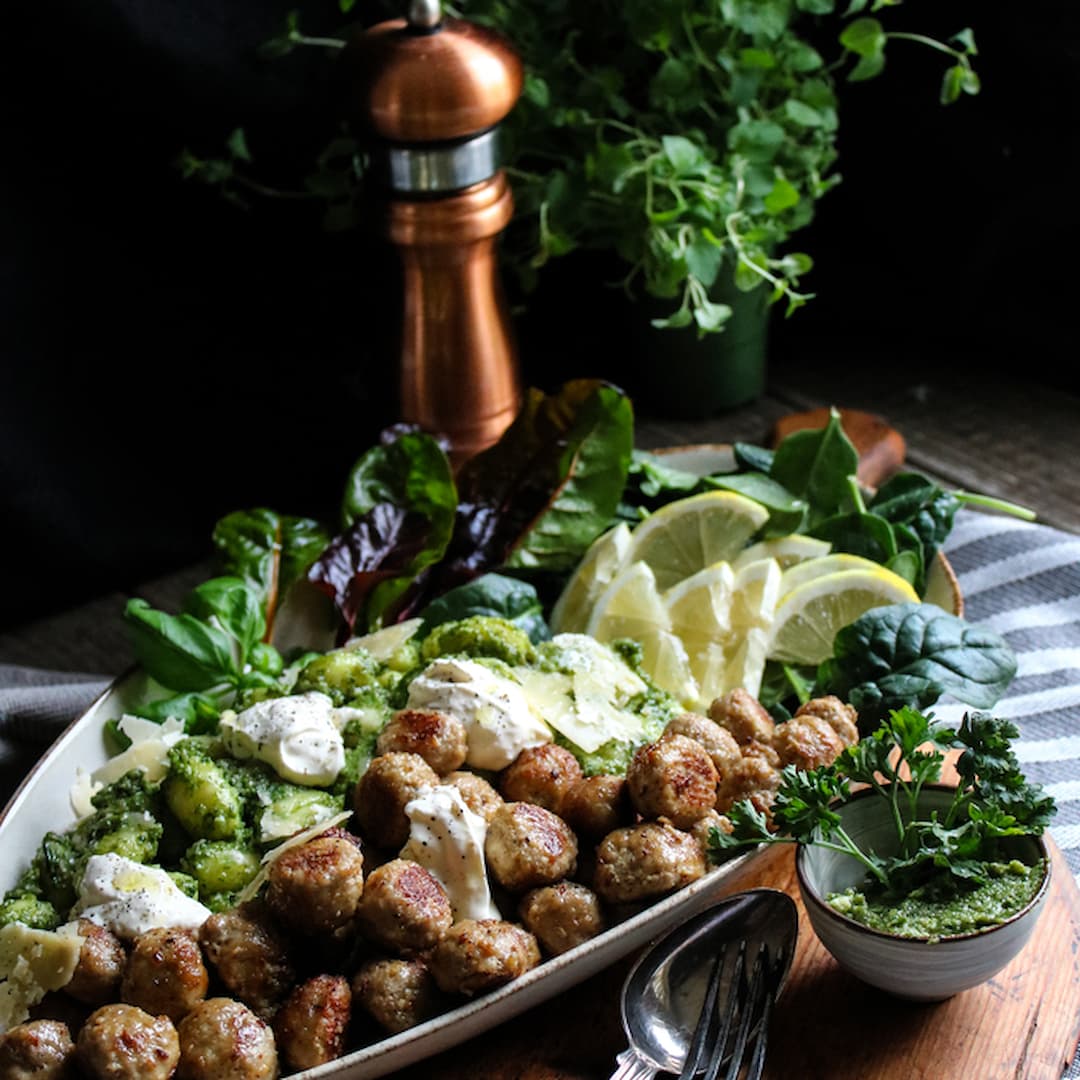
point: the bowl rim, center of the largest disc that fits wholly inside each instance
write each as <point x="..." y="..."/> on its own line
<point x="811" y="897"/>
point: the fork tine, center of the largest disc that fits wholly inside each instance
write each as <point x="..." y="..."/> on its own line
<point x="746" y="1016"/>
<point x="705" y="1019"/>
<point x="757" y="1062"/>
<point x="738" y="973"/>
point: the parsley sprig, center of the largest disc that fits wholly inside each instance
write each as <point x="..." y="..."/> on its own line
<point x="941" y="851"/>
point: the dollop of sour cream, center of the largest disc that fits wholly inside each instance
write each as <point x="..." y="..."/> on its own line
<point x="128" y="898"/>
<point x="296" y="736"/>
<point x="498" y="721"/>
<point x="447" y="839"/>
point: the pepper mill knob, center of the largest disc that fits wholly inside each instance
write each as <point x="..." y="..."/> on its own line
<point x="425" y="96"/>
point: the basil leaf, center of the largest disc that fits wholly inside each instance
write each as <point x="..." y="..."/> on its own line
<point x="816" y="464"/>
<point x="179" y="651"/>
<point x="235" y="605"/>
<point x="909" y="655"/>
<point x="491" y="594"/>
<point x="199" y="712"/>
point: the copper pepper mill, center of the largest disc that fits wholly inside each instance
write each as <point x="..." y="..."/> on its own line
<point x="426" y="95"/>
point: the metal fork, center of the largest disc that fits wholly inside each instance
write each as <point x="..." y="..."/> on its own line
<point x="750" y="998"/>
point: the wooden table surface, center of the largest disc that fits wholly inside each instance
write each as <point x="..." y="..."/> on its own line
<point x="999" y="436"/>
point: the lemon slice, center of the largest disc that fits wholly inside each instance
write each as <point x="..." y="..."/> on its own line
<point x="689" y="534"/>
<point x="664" y="658"/>
<point x="699" y="607"/>
<point x="786" y="550"/>
<point x="629" y="607"/>
<point x="808" y="617"/>
<point x="598" y="567"/>
<point x="755" y="595"/>
<point x="799" y="574"/>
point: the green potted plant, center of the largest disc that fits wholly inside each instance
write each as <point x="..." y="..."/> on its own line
<point x="684" y="143"/>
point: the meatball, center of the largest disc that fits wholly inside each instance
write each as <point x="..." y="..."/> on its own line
<point x="391" y="781"/>
<point x="100" y="967"/>
<point x="165" y="974"/>
<point x="315" y="888"/>
<point x="673" y="778"/>
<point x="312" y="1024"/>
<point x="397" y="994"/>
<point x="221" y="1039"/>
<point x="561" y="916"/>
<point x="597" y="804"/>
<point x="755" y="778"/>
<point x="842" y="718"/>
<point x="744" y="716"/>
<point x="249" y="956"/>
<point x="480" y="954"/>
<point x="702" y="829"/>
<point x="39" y="1050"/>
<point x="644" y="861"/>
<point x="479" y="796"/>
<point x="404" y="908"/>
<point x="719" y="743"/>
<point x="542" y="775"/>
<point x="437" y="737"/>
<point x="527" y="846"/>
<point x="806" y="742"/>
<point x="121" y="1042"/>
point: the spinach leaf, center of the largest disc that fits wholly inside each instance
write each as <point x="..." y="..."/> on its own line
<point x="651" y="483"/>
<point x="751" y="458"/>
<point x="235" y="605"/>
<point x="916" y="501"/>
<point x="816" y="465"/>
<point x="270" y="551"/>
<point x="858" y="533"/>
<point x="787" y="513"/>
<point x="179" y="651"/>
<point x="491" y="594"/>
<point x="909" y="655"/>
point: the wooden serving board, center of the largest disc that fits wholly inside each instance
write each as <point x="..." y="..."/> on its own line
<point x="1023" y="1024"/>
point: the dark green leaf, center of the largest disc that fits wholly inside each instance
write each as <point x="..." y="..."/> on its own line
<point x="816" y="464"/>
<point x="786" y="512"/>
<point x="684" y="155"/>
<point x="867" y="535"/>
<point x="868" y="67"/>
<point x="178" y="651"/>
<point x="491" y="594"/>
<point x="703" y="260"/>
<point x="235" y="605"/>
<point x="754" y="458"/>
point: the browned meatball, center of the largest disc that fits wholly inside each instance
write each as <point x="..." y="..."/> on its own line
<point x="527" y="846"/>
<point x="404" y="908"/>
<point x="221" y="1039"/>
<point x="702" y="829"/>
<point x="165" y="974"/>
<point x="480" y="954"/>
<point x="397" y="994"/>
<point x="719" y="743"/>
<point x="39" y="1050"/>
<point x="561" y="916"/>
<point x="673" y="778"/>
<point x="100" y="967"/>
<point x="647" y="860"/>
<point x="391" y="781"/>
<point x="312" y="1024"/>
<point x="249" y="956"/>
<point x="541" y="775"/>
<point x="437" y="737"/>
<point x="744" y="716"/>
<point x="121" y="1042"/>
<point x="842" y="718"/>
<point x="479" y="796"/>
<point x="315" y="888"/>
<point x="597" y="804"/>
<point x="755" y="778"/>
<point x="806" y="742"/>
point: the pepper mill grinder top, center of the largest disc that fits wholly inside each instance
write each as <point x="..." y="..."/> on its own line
<point x="430" y="92"/>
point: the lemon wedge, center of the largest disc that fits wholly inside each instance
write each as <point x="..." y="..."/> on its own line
<point x="786" y="550"/>
<point x="690" y="534"/>
<point x="597" y="569"/>
<point x="699" y="607"/>
<point x="808" y="618"/>
<point x="755" y="594"/>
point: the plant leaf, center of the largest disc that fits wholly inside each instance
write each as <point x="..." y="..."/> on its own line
<point x="235" y="605"/>
<point x="178" y="651"/>
<point x="491" y="594"/>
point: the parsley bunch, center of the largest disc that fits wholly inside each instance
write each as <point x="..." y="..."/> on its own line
<point x="942" y="852"/>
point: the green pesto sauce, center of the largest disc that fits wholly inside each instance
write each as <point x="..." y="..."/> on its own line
<point x="1008" y="888"/>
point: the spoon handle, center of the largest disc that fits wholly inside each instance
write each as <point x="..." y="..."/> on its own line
<point x="631" y="1067"/>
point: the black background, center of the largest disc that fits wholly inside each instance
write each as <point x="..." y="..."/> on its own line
<point x="168" y="358"/>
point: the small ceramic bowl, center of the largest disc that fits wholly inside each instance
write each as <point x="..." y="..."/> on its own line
<point x="919" y="969"/>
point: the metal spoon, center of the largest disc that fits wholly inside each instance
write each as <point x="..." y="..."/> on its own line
<point x="663" y="994"/>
